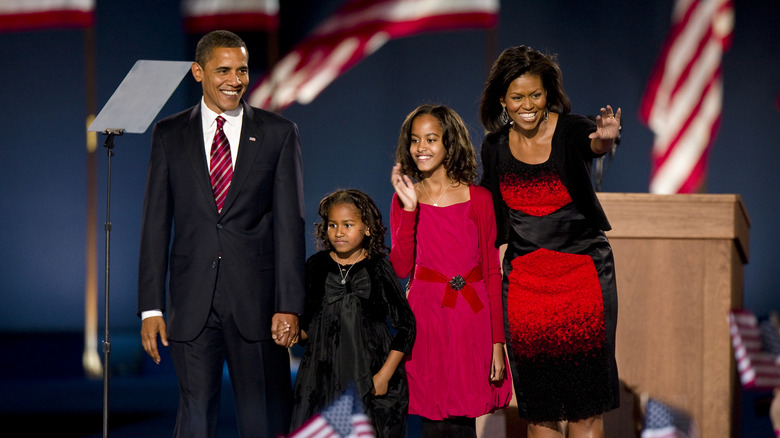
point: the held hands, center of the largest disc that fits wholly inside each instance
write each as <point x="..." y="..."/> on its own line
<point x="607" y="130"/>
<point x="284" y="329"/>
<point x="404" y="188"/>
<point x="150" y="327"/>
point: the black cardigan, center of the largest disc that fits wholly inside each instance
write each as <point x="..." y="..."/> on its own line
<point x="573" y="159"/>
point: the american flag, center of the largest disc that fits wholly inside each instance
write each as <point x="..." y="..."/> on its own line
<point x="357" y="29"/>
<point x="664" y="421"/>
<point x="758" y="369"/>
<point x="342" y="419"/>
<point x="683" y="100"/>
<point x="202" y="16"/>
<point x="42" y="14"/>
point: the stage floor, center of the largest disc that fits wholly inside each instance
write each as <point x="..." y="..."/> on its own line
<point x="44" y="392"/>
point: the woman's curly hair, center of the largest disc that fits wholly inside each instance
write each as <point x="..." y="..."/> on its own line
<point x="374" y="243"/>
<point x="461" y="160"/>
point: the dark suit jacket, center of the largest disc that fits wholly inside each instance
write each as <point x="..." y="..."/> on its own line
<point x="259" y="234"/>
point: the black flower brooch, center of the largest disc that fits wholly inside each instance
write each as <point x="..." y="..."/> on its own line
<point x="457" y="282"/>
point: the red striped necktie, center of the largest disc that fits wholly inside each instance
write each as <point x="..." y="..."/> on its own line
<point x="221" y="165"/>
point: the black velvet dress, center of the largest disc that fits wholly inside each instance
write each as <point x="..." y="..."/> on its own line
<point x="350" y="338"/>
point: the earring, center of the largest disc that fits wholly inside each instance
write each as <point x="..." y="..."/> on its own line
<point x="546" y="114"/>
<point x="504" y="116"/>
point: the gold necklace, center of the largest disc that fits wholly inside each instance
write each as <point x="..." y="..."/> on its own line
<point x="343" y="275"/>
<point x="435" y="203"/>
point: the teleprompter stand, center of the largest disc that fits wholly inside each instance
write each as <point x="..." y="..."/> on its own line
<point x="132" y="107"/>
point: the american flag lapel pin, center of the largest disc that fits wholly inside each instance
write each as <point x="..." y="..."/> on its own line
<point x="252" y="139"/>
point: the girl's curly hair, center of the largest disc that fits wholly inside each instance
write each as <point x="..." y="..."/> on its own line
<point x="461" y="160"/>
<point x="374" y="243"/>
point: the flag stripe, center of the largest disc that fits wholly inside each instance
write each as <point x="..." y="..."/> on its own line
<point x="201" y="16"/>
<point x="683" y="100"/>
<point x="344" y="418"/>
<point x="42" y="14"/>
<point x="665" y="119"/>
<point x="369" y="13"/>
<point x="689" y="93"/>
<point x="697" y="175"/>
<point x="758" y="369"/>
<point x="10" y="7"/>
<point x="693" y="34"/>
<point x="688" y="117"/>
<point x="692" y="63"/>
<point x="664" y="421"/>
<point x="45" y="20"/>
<point x="670" y="172"/>
<point x="237" y="22"/>
<point x="663" y="65"/>
<point x="356" y="30"/>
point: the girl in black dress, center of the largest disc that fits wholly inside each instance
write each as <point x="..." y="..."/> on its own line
<point x="351" y="294"/>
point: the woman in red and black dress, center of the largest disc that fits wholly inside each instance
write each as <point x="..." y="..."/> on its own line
<point x="560" y="296"/>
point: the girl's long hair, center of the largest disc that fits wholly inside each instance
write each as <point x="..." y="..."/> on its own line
<point x="461" y="160"/>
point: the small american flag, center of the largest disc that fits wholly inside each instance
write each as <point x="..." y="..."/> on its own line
<point x="758" y="369"/>
<point x="770" y="335"/>
<point x="342" y="419"/>
<point x="664" y="421"/>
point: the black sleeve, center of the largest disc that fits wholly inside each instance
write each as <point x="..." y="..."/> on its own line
<point x="401" y="316"/>
<point x="314" y="290"/>
<point x="490" y="181"/>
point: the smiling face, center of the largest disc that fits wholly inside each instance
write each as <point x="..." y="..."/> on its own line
<point x="525" y="101"/>
<point x="346" y="230"/>
<point x="427" y="147"/>
<point x="224" y="78"/>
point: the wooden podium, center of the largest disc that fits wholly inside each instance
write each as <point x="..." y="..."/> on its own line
<point x="679" y="264"/>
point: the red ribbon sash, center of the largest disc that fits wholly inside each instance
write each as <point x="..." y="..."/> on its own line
<point x="450" y="293"/>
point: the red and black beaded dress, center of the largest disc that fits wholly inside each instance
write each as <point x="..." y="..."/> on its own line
<point x="558" y="274"/>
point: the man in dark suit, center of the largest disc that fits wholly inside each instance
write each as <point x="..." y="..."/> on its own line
<point x="223" y="219"/>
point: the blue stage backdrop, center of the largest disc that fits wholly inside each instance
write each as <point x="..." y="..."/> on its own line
<point x="606" y="49"/>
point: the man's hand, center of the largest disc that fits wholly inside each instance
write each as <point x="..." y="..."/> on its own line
<point x="150" y="327"/>
<point x="284" y="329"/>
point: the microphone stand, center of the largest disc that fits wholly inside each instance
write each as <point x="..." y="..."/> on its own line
<point x="600" y="167"/>
<point x="109" y="145"/>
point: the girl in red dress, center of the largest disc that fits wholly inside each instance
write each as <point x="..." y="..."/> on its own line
<point x="442" y="230"/>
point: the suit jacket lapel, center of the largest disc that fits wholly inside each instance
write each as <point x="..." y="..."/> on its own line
<point x="195" y="150"/>
<point x="248" y="148"/>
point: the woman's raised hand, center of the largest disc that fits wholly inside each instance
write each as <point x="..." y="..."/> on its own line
<point x="607" y="130"/>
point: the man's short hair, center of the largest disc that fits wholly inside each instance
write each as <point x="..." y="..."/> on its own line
<point x="213" y="40"/>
